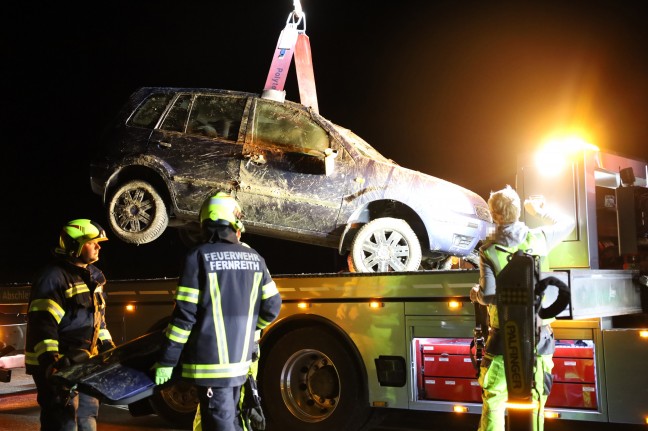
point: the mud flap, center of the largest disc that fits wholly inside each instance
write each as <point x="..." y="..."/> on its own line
<point x="517" y="318"/>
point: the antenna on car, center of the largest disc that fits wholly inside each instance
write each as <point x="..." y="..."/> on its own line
<point x="292" y="41"/>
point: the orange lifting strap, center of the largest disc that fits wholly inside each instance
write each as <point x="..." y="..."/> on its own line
<point x="294" y="41"/>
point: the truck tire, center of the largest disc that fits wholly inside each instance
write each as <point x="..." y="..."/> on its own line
<point x="384" y="245"/>
<point x="137" y="213"/>
<point x="309" y="381"/>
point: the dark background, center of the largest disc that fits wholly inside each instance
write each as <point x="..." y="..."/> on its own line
<point x="455" y="89"/>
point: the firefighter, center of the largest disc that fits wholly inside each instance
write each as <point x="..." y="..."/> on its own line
<point x="509" y="236"/>
<point x="66" y="324"/>
<point x="225" y="294"/>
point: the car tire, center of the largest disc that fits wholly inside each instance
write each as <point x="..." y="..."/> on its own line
<point x="385" y="245"/>
<point x="137" y="213"/>
<point x="177" y="403"/>
<point x="308" y="381"/>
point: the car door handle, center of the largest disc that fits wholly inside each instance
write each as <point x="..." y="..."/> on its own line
<point x="164" y="144"/>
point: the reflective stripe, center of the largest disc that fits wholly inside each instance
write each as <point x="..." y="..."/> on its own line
<point x="177" y="334"/>
<point x="187" y="294"/>
<point x="261" y="323"/>
<point x="47" y="305"/>
<point x="30" y="358"/>
<point x="104" y="335"/>
<point x="269" y="290"/>
<point x="46" y="346"/>
<point x="258" y="276"/>
<point x="76" y="290"/>
<point x="211" y="371"/>
<point x="217" y="315"/>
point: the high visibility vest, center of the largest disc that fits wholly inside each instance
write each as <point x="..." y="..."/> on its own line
<point x="533" y="244"/>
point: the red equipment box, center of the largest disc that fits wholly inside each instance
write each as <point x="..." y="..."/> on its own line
<point x="452" y="389"/>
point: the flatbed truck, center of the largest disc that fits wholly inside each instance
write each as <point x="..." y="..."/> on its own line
<point x="350" y="346"/>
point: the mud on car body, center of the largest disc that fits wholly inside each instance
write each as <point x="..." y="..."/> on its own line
<point x="298" y="177"/>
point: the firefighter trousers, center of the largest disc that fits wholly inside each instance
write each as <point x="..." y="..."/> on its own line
<point x="492" y="378"/>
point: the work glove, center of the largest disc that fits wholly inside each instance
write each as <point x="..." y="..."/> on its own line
<point x="162" y="374"/>
<point x="257" y="419"/>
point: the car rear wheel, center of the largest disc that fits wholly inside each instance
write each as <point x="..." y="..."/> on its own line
<point x="384" y="245"/>
<point x="137" y="213"/>
<point x="177" y="403"/>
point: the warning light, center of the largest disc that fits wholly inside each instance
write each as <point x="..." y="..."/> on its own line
<point x="376" y="304"/>
<point x="557" y="150"/>
<point x="460" y="409"/>
<point x="303" y="305"/>
<point x="454" y="305"/>
<point x="551" y="415"/>
<point x="130" y="308"/>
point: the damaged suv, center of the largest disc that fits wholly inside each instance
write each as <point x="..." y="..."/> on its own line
<point x="297" y="176"/>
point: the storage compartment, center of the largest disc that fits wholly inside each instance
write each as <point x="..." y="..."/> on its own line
<point x="446" y="371"/>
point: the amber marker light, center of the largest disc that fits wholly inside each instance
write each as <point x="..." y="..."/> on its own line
<point x="303" y="305"/>
<point x="460" y="409"/>
<point x="643" y="333"/>
<point x="551" y="415"/>
<point x="454" y="305"/>
<point x="130" y="308"/>
<point x="376" y="304"/>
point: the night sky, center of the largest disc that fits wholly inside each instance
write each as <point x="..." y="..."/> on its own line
<point x="455" y="89"/>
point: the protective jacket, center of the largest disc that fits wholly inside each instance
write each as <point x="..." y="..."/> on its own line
<point x="66" y="312"/>
<point x="225" y="293"/>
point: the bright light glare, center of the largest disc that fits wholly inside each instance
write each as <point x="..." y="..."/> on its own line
<point x="557" y="151"/>
<point x="454" y="305"/>
<point x="460" y="409"/>
<point x="130" y="307"/>
<point x="551" y="415"/>
<point x="643" y="334"/>
<point x="522" y="406"/>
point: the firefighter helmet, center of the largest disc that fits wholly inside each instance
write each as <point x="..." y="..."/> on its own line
<point x="76" y="233"/>
<point x="222" y="208"/>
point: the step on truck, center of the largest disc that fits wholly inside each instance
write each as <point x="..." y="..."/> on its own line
<point x="348" y="347"/>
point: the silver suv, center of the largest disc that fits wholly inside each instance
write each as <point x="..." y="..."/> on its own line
<point x="297" y="176"/>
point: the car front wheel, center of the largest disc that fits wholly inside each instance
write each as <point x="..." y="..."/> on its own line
<point x="384" y="245"/>
<point x="137" y="213"/>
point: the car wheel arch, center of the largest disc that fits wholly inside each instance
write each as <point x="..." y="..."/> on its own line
<point x="142" y="173"/>
<point x="378" y="209"/>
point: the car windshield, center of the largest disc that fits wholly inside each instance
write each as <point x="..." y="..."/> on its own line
<point x="361" y="145"/>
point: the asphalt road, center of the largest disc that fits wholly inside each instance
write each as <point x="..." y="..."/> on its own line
<point x="19" y="411"/>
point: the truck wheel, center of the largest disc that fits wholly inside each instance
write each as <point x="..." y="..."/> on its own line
<point x="308" y="381"/>
<point x="137" y="213"/>
<point x="176" y="403"/>
<point x="384" y="245"/>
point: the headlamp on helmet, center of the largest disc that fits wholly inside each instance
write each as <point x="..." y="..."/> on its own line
<point x="76" y="233"/>
<point x="224" y="209"/>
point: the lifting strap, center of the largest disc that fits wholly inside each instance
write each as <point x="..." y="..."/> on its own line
<point x="294" y="41"/>
<point x="480" y="334"/>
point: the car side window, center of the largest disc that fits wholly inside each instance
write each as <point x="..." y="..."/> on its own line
<point x="279" y="125"/>
<point x="148" y="113"/>
<point x="216" y="116"/>
<point x="176" y="119"/>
